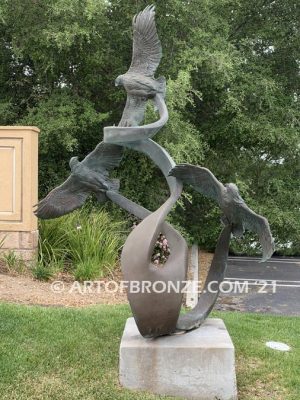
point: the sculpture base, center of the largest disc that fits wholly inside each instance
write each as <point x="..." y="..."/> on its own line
<point x="197" y="365"/>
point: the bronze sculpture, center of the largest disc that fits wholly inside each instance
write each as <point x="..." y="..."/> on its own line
<point x="139" y="81"/>
<point x="235" y="210"/>
<point x="88" y="176"/>
<point x="156" y="313"/>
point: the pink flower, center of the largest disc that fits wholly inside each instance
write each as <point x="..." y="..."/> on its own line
<point x="165" y="242"/>
<point x="156" y="262"/>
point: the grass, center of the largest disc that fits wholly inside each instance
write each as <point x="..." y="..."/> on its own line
<point x="63" y="354"/>
<point x="42" y="272"/>
<point x="13" y="263"/>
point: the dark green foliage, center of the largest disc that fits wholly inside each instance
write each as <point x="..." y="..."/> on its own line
<point x="70" y="125"/>
<point x="233" y="95"/>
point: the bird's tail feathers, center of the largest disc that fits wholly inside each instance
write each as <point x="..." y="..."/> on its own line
<point x="268" y="251"/>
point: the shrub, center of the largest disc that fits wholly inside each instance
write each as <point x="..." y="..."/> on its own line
<point x="86" y="242"/>
<point x="94" y="240"/>
<point x="86" y="271"/>
<point x="42" y="272"/>
<point x="52" y="241"/>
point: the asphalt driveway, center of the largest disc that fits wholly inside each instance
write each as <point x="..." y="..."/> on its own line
<point x="271" y="287"/>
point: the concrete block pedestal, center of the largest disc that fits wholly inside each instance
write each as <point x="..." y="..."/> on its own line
<point x="197" y="365"/>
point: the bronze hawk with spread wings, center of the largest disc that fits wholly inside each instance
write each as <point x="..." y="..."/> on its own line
<point x="235" y="210"/>
<point x="88" y="176"/>
<point x="139" y="81"/>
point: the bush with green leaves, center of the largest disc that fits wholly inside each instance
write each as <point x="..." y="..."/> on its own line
<point x="85" y="243"/>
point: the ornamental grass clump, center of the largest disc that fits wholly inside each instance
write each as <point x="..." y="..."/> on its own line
<point x="161" y="251"/>
<point x="85" y="243"/>
<point x="94" y="242"/>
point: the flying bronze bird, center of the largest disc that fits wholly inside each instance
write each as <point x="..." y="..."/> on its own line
<point x="235" y="210"/>
<point x="139" y="81"/>
<point x="88" y="176"/>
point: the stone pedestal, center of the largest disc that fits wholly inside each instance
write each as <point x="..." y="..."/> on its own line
<point x="18" y="190"/>
<point x="196" y="365"/>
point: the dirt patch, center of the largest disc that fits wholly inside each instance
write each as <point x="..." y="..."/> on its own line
<point x="230" y="303"/>
<point x="61" y="292"/>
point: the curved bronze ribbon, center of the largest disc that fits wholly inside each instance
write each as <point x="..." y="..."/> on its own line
<point x="156" y="312"/>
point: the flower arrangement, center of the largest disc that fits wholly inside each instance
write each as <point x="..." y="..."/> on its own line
<point x="161" y="251"/>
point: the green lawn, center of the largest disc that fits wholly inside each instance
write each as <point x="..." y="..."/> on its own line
<point x="59" y="353"/>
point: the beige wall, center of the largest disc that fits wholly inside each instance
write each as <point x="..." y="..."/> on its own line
<point x="18" y="177"/>
<point x="18" y="184"/>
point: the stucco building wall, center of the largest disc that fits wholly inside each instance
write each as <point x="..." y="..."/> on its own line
<point x="18" y="190"/>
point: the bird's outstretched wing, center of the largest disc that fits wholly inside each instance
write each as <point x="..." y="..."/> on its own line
<point x="202" y="180"/>
<point x="103" y="158"/>
<point x="147" y="50"/>
<point x="72" y="193"/>
<point x="259" y="225"/>
<point x="62" y="200"/>
<point x="134" y="111"/>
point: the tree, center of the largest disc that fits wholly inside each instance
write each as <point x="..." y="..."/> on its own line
<point x="233" y="94"/>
